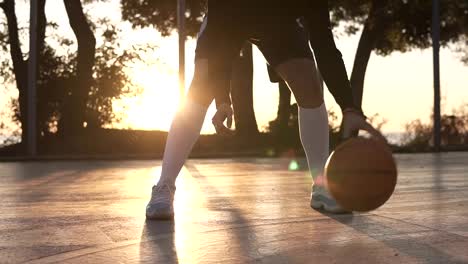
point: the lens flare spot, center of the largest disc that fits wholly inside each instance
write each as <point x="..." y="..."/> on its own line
<point x="293" y="165"/>
<point x="270" y="152"/>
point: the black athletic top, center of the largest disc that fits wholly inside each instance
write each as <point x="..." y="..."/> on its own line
<point x="316" y="14"/>
<point x="329" y="58"/>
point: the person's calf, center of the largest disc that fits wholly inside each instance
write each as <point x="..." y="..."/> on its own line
<point x="183" y="134"/>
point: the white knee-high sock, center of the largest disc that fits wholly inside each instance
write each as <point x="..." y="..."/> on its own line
<point x="313" y="130"/>
<point x="183" y="134"/>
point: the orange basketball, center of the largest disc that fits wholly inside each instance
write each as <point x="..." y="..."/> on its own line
<point x="361" y="174"/>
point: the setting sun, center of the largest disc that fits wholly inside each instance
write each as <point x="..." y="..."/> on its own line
<point x="155" y="107"/>
<point x="156" y="80"/>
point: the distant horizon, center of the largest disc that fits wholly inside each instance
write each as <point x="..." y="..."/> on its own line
<point x="392" y="137"/>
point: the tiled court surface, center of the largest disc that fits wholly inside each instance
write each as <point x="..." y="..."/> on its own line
<point x="227" y="211"/>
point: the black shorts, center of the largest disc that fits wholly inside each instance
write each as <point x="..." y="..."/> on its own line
<point x="274" y="77"/>
<point x="278" y="38"/>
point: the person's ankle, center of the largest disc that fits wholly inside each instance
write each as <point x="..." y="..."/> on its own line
<point x="166" y="183"/>
<point x="319" y="188"/>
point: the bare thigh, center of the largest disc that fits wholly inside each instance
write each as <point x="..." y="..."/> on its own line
<point x="301" y="75"/>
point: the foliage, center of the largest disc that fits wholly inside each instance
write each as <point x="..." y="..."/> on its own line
<point x="377" y="121"/>
<point x="9" y="132"/>
<point x="163" y="14"/>
<point x="58" y="72"/>
<point x="110" y="79"/>
<point x="417" y="134"/>
<point x="454" y="130"/>
<point x="462" y="49"/>
<point x="408" y="23"/>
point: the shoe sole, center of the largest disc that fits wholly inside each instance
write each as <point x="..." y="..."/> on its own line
<point x="160" y="214"/>
<point x="322" y="206"/>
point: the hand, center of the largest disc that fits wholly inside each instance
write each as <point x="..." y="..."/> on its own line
<point x="224" y="112"/>
<point x="353" y="121"/>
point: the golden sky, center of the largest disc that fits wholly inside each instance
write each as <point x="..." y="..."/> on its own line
<point x="397" y="87"/>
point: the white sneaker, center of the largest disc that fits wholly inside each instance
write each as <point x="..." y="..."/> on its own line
<point x="161" y="205"/>
<point x="321" y="199"/>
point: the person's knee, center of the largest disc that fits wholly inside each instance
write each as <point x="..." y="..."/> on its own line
<point x="302" y="78"/>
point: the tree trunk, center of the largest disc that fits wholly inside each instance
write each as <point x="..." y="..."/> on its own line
<point x="74" y="112"/>
<point x="19" y="64"/>
<point x="20" y="68"/>
<point x="41" y="27"/>
<point x="41" y="120"/>
<point x="242" y="93"/>
<point x="373" y="29"/>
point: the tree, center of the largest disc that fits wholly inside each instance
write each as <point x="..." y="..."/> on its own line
<point x="395" y="25"/>
<point x="58" y="74"/>
<point x="454" y="131"/>
<point x="86" y="48"/>
<point x="109" y="81"/>
<point x="74" y="113"/>
<point x="163" y="14"/>
<point x="19" y="67"/>
<point x="242" y="94"/>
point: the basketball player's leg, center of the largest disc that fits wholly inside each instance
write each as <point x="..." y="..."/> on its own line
<point x="212" y="69"/>
<point x="286" y="49"/>
<point x="187" y="124"/>
<point x="288" y="52"/>
<point x="302" y="78"/>
<point x="183" y="133"/>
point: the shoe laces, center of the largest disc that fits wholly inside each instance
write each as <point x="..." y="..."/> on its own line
<point x="320" y="190"/>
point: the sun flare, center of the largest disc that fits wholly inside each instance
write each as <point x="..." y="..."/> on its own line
<point x="156" y="105"/>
